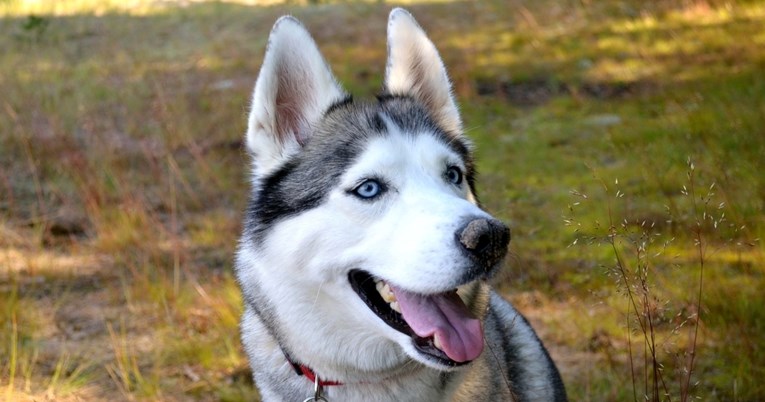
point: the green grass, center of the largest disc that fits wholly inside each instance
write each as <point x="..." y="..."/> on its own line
<point x="122" y="181"/>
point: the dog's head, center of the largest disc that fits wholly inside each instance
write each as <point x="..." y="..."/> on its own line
<point x="363" y="221"/>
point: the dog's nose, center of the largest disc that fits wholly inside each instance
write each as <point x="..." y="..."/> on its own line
<point x="485" y="240"/>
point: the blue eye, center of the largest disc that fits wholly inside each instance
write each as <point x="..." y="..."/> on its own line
<point x="454" y="175"/>
<point x="369" y="189"/>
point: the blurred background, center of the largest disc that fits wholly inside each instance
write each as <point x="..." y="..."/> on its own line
<point x="623" y="140"/>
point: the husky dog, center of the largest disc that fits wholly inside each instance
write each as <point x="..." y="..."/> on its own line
<point x="365" y="254"/>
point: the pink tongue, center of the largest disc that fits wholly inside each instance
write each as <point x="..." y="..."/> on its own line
<point x="444" y="316"/>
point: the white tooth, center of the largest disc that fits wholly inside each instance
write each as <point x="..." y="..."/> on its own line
<point x="394" y="306"/>
<point x="379" y="286"/>
<point x="387" y="294"/>
<point x="437" y="343"/>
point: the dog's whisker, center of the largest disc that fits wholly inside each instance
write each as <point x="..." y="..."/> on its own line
<point x="316" y="298"/>
<point x="504" y="375"/>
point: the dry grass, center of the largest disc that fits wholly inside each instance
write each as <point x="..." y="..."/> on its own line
<point x="122" y="182"/>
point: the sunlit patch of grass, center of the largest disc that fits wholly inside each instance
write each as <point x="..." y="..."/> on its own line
<point x="148" y="7"/>
<point x="68" y="377"/>
<point x="206" y="231"/>
<point x="27" y="370"/>
<point x="125" y="371"/>
<point x="195" y="337"/>
<point x="124" y="227"/>
<point x="736" y="315"/>
<point x="73" y="7"/>
<point x="661" y="280"/>
<point x="626" y="48"/>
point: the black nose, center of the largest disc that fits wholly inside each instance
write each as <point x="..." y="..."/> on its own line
<point x="485" y="241"/>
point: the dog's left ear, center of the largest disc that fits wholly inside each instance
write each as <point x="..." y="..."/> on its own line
<point x="414" y="68"/>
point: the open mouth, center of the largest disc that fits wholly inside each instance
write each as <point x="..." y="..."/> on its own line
<point x="440" y="325"/>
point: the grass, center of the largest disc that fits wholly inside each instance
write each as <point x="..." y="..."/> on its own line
<point x="122" y="182"/>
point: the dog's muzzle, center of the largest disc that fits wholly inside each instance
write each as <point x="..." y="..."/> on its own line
<point x="484" y="241"/>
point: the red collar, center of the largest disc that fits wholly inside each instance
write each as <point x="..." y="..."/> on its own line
<point x="309" y="374"/>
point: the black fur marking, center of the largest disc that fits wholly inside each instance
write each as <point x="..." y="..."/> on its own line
<point x="559" y="390"/>
<point x="377" y="123"/>
<point x="295" y="188"/>
<point x="347" y="100"/>
<point x="444" y="377"/>
<point x="510" y="353"/>
<point x="281" y="194"/>
<point x="386" y="96"/>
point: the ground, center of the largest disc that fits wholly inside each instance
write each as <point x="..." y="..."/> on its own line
<point x="621" y="140"/>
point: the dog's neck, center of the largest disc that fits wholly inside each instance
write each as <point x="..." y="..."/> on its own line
<point x="406" y="369"/>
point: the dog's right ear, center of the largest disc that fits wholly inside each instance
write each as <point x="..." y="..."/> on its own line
<point x="294" y="89"/>
<point x="414" y="68"/>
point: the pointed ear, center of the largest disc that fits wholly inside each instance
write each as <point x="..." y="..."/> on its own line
<point x="414" y="68"/>
<point x="294" y="89"/>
